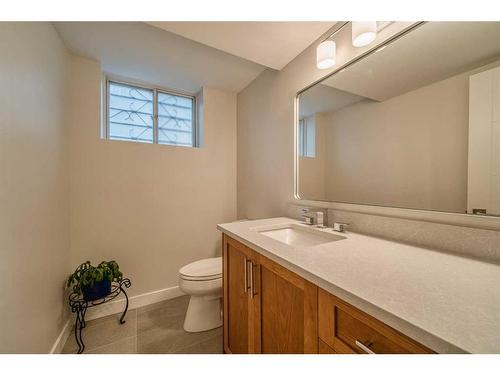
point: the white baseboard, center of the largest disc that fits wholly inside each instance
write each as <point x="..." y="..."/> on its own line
<point x="115" y="307"/>
<point x="61" y="339"/>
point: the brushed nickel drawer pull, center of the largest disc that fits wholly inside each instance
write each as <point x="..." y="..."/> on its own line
<point x="245" y="266"/>
<point x="251" y="279"/>
<point x="364" y="348"/>
<point x="254" y="290"/>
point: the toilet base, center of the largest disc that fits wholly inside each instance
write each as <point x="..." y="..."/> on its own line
<point x="203" y="314"/>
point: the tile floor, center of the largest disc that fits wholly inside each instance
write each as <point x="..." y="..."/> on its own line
<point x="152" y="329"/>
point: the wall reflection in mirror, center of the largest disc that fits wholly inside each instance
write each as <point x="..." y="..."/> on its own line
<point x="415" y="124"/>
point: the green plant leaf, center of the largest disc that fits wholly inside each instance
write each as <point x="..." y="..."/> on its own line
<point x="86" y="275"/>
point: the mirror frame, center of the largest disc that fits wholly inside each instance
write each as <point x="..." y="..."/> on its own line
<point x="443" y="217"/>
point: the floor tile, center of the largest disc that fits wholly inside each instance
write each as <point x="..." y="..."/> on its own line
<point x="124" y="346"/>
<point x="156" y="328"/>
<point x="210" y="346"/>
<point x="180" y="303"/>
<point x="104" y="331"/>
<point x="171" y="340"/>
<point x="165" y="315"/>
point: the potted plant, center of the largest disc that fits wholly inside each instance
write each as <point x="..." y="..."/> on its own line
<point x="94" y="282"/>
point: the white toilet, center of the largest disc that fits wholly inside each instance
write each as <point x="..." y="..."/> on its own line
<point x="202" y="280"/>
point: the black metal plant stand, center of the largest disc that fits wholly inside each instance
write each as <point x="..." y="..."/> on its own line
<point x="79" y="306"/>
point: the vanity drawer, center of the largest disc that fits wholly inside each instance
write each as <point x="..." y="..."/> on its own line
<point x="346" y="329"/>
<point x="323" y="348"/>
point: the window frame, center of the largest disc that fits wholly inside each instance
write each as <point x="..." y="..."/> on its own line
<point x="195" y="131"/>
<point x="303" y="136"/>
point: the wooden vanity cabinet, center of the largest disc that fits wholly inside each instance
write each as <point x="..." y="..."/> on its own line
<point x="285" y="310"/>
<point x="237" y="304"/>
<point x="270" y="309"/>
<point x="267" y="308"/>
<point x="324" y="348"/>
<point x="344" y="329"/>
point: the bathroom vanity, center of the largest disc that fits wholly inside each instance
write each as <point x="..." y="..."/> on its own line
<point x="293" y="288"/>
<point x="409" y="129"/>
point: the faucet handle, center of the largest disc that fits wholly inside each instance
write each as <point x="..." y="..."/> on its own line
<point x="307" y="215"/>
<point x="320" y="219"/>
<point x="340" y="227"/>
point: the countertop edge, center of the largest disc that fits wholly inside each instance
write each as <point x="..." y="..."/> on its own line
<point x="418" y="334"/>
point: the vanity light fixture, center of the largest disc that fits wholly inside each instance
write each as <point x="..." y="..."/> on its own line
<point x="363" y="33"/>
<point x="327" y="50"/>
<point x="325" y="54"/>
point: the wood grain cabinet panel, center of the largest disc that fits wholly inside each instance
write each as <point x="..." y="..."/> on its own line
<point x="348" y="330"/>
<point x="236" y="301"/>
<point x="267" y="308"/>
<point x="323" y="348"/>
<point x="286" y="309"/>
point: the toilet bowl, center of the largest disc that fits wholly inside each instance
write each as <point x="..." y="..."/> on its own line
<point x="202" y="280"/>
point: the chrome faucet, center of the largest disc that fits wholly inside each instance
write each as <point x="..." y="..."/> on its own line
<point x="312" y="217"/>
<point x="308" y="217"/>
<point x="340" y="227"/>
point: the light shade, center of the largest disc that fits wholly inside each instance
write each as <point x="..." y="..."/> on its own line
<point x="363" y="33"/>
<point x="325" y="54"/>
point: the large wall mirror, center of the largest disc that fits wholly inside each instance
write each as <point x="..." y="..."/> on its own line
<point x="414" y="124"/>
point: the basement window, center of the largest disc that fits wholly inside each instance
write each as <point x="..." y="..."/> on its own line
<point x="143" y="114"/>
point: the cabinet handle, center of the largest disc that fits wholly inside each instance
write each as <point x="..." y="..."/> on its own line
<point x="245" y="266"/>
<point x="251" y="279"/>
<point x="364" y="348"/>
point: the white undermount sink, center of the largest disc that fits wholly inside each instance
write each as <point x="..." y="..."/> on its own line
<point x="299" y="236"/>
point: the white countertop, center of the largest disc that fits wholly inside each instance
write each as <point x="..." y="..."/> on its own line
<point x="449" y="303"/>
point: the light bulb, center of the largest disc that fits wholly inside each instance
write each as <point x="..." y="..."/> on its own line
<point x="325" y="54"/>
<point x="363" y="33"/>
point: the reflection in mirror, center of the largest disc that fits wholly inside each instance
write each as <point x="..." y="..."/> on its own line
<point x="415" y="124"/>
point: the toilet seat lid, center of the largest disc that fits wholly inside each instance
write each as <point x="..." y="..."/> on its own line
<point x="209" y="268"/>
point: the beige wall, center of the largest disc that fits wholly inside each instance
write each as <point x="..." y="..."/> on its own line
<point x="153" y="208"/>
<point x="34" y="191"/>
<point x="312" y="170"/>
<point x="266" y="128"/>
<point x="408" y="151"/>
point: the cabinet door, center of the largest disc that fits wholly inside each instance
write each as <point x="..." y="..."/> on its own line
<point x="323" y="348"/>
<point x="236" y="260"/>
<point x="285" y="309"/>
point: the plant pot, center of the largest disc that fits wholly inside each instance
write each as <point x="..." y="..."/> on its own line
<point x="100" y="290"/>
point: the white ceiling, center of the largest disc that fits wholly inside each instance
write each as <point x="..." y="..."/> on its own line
<point x="272" y="44"/>
<point x="145" y="53"/>
<point x="431" y="53"/>
<point x="322" y="98"/>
